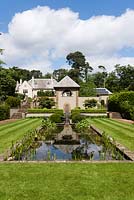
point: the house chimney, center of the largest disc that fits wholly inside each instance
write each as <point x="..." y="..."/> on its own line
<point x="33" y="81"/>
<point x="20" y="81"/>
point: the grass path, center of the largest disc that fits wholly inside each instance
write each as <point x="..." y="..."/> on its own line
<point x="15" y="130"/>
<point x="60" y="181"/>
<point x="121" y="132"/>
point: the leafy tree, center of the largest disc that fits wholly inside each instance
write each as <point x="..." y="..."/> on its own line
<point x="7" y="84"/>
<point x="112" y="82"/>
<point x="45" y="102"/>
<point x="104" y="74"/>
<point x="87" y="89"/>
<point x="47" y="75"/>
<point x="59" y="74"/>
<point x="99" y="79"/>
<point x="123" y="103"/>
<point x="79" y="65"/>
<point x="36" y="73"/>
<point x="86" y="69"/>
<point x="125" y="75"/>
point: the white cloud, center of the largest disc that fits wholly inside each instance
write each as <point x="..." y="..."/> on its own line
<point x="38" y="37"/>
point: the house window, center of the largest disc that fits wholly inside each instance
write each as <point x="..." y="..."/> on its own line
<point x="25" y="91"/>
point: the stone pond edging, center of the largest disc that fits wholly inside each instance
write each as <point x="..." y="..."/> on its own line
<point x="124" y="150"/>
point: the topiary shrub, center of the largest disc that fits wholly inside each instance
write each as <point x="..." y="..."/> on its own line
<point x="4" y="112"/>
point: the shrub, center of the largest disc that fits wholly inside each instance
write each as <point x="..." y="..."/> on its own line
<point x="13" y="102"/>
<point x="90" y="103"/>
<point x="82" y="126"/>
<point x="20" y="96"/>
<point x="4" y="112"/>
<point x="132" y="113"/>
<point x="45" y="102"/>
<point x="76" y="116"/>
<point x="56" y="117"/>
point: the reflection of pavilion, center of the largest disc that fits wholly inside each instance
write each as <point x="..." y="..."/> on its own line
<point x="66" y="148"/>
<point x="67" y="131"/>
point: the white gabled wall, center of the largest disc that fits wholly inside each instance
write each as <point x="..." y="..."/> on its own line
<point x="25" y="86"/>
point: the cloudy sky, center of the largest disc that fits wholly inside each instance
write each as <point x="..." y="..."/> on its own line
<point x="38" y="34"/>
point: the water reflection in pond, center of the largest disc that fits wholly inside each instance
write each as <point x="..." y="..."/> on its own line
<point x="86" y="148"/>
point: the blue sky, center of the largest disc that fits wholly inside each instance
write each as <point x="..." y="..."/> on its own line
<point x="86" y="9"/>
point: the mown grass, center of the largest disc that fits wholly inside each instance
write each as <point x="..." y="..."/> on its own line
<point x="121" y="132"/>
<point x="60" y="181"/>
<point x="15" y="130"/>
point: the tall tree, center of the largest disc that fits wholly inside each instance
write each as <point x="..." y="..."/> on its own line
<point x="125" y="75"/>
<point x="59" y="74"/>
<point x="36" y="73"/>
<point x="87" y="68"/>
<point x="79" y="65"/>
<point x="104" y="74"/>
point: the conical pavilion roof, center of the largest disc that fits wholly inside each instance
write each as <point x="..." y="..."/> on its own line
<point x="67" y="82"/>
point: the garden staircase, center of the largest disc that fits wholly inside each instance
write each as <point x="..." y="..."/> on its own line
<point x="21" y="112"/>
<point x="115" y="115"/>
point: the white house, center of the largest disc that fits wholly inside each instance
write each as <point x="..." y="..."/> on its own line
<point x="31" y="87"/>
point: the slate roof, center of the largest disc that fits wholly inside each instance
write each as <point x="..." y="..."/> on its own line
<point x="67" y="82"/>
<point x="43" y="83"/>
<point x="103" y="91"/>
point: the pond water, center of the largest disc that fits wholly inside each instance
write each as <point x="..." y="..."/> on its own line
<point x="73" y="147"/>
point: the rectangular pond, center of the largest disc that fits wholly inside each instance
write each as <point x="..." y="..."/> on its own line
<point x="69" y="145"/>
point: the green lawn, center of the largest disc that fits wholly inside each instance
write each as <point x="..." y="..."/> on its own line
<point x="60" y="181"/>
<point x="121" y="132"/>
<point x="15" y="130"/>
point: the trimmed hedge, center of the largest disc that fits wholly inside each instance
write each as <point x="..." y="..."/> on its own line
<point x="123" y="103"/>
<point x="4" y="112"/>
<point x="89" y="110"/>
<point x="45" y="110"/>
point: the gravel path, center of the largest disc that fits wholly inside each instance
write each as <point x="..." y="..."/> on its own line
<point x="125" y="120"/>
<point x="7" y="121"/>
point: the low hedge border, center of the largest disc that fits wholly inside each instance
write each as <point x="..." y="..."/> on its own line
<point x="89" y="111"/>
<point x="45" y="110"/>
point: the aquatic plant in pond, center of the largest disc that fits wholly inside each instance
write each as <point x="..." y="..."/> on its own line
<point x="27" y="146"/>
<point x="48" y="128"/>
